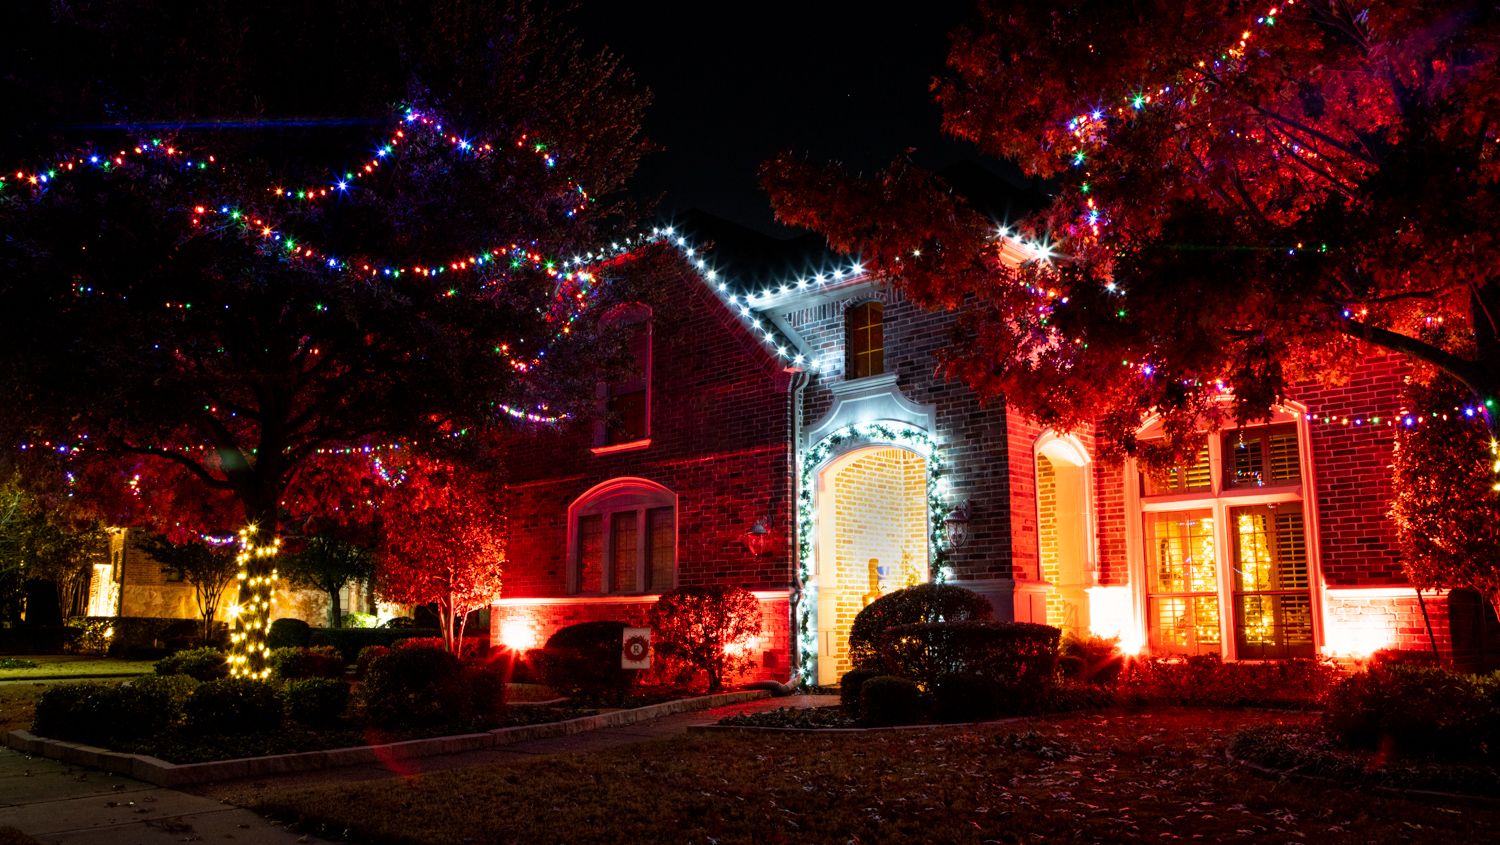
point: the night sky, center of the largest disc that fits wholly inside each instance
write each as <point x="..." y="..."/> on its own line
<point x="736" y="83"/>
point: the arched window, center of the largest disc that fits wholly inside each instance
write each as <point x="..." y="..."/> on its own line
<point x="622" y="539"/>
<point x="864" y="340"/>
<point x="1226" y="548"/>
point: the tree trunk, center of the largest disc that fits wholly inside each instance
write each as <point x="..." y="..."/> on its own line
<point x="335" y="613"/>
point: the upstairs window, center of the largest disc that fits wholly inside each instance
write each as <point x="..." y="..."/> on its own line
<point x="864" y="340"/>
<point x="627" y="399"/>
<point x="623" y="539"/>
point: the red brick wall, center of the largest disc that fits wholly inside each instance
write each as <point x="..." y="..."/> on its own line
<point x="771" y="657"/>
<point x="1109" y="521"/>
<point x="719" y="440"/>
<point x="1352" y="470"/>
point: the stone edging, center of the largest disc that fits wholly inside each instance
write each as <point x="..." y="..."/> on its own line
<point x="765" y="729"/>
<point x="160" y="772"/>
<point x="1425" y="796"/>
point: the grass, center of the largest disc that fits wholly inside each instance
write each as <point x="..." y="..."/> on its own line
<point x="50" y="665"/>
<point x="18" y="705"/>
<point x="1112" y="777"/>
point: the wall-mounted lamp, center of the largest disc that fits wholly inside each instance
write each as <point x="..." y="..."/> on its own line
<point x="956" y="526"/>
<point x="757" y="538"/>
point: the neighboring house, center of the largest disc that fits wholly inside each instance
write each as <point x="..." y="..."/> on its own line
<point x="794" y="439"/>
<point x="133" y="583"/>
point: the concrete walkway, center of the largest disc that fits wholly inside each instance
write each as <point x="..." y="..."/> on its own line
<point x="66" y="805"/>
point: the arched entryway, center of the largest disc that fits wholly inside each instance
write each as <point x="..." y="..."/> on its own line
<point x="1064" y="531"/>
<point x="872" y="538"/>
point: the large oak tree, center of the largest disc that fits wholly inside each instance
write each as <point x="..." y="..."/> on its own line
<point x="1245" y="196"/>
<point x="164" y="324"/>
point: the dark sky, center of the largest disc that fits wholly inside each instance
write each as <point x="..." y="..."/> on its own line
<point x="737" y="82"/>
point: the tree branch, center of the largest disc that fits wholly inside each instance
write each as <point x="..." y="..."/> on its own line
<point x="1462" y="369"/>
<point x="180" y="459"/>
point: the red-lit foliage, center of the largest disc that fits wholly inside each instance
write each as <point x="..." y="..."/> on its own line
<point x="1226" y="215"/>
<point x="709" y="629"/>
<point x="443" y="543"/>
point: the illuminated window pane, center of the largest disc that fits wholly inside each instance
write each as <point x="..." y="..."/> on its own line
<point x="1273" y="608"/>
<point x="661" y="548"/>
<point x="625" y="529"/>
<point x="1183" y="577"/>
<point x="1255" y="457"/>
<point x="864" y="340"/>
<point x="590" y="554"/>
<point x="1196" y="477"/>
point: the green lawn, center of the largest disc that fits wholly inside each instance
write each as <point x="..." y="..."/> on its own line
<point x="53" y="665"/>
<point x="1150" y="776"/>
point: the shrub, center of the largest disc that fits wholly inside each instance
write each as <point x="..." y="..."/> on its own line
<point x="1405" y="657"/>
<point x="294" y="663"/>
<point x="412" y="687"/>
<point x="1207" y="680"/>
<point x="96" y="634"/>
<point x="149" y="704"/>
<point x="232" y="706"/>
<point x="367" y="655"/>
<point x="81" y="712"/>
<point x="710" y="629"/>
<point x="965" y="697"/>
<point x="204" y="664"/>
<point x="584" y="659"/>
<point x="1095" y="660"/>
<point x="887" y="700"/>
<point x="358" y="620"/>
<point x="849" y="687"/>
<point x="289" y="633"/>
<point x="1415" y="710"/>
<point x="920" y="603"/>
<point x="486" y="686"/>
<point x="349" y="641"/>
<point x="316" y="702"/>
<point x="1019" y="657"/>
<point x="1070" y="695"/>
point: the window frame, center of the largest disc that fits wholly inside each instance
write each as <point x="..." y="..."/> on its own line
<point x="852" y="352"/>
<point x="628" y="317"/>
<point x="628" y="495"/>
<point x="1220" y="499"/>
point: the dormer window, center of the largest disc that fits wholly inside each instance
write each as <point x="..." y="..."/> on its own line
<point x="864" y="340"/>
<point x="627" y="397"/>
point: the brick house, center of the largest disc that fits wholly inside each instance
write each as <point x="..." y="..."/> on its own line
<point x="792" y="437"/>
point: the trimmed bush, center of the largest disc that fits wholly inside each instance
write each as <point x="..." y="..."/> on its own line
<point x="368" y="655"/>
<point x="965" y="697"/>
<point x="80" y="712"/>
<point x="486" y="685"/>
<point x="909" y="606"/>
<point x="886" y="700"/>
<point x="149" y="704"/>
<point x="414" y="687"/>
<point x="204" y="664"/>
<point x="294" y="663"/>
<point x="232" y="706"/>
<point x="315" y="702"/>
<point x="849" y="687"/>
<point x="1404" y="657"/>
<point x="349" y="641"/>
<point x="1019" y="657"/>
<point x="127" y="634"/>
<point x="1094" y="660"/>
<point x="584" y="659"/>
<point x="1416" y="711"/>
<point x="1208" y="680"/>
<point x="289" y="633"/>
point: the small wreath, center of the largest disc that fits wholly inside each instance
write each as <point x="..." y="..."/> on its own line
<point x="636" y="648"/>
